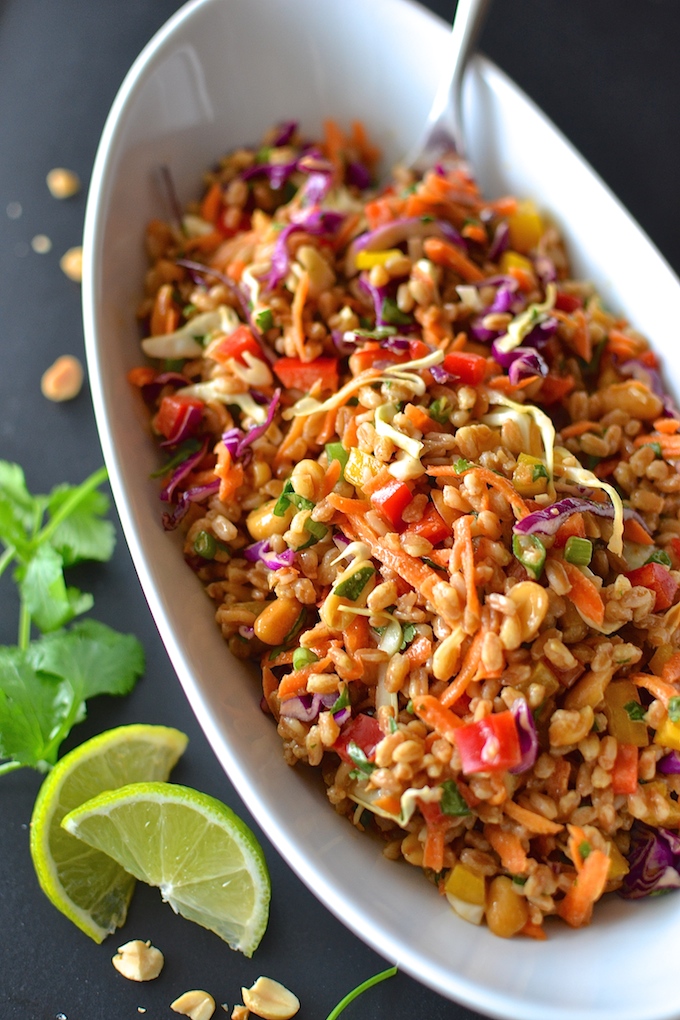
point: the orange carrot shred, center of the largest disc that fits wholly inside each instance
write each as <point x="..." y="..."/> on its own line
<point x="431" y="711"/>
<point x="446" y="254"/>
<point x="584" y="593"/>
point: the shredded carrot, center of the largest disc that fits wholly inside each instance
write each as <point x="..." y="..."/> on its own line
<point x="331" y="477"/>
<point x="389" y="803"/>
<point x="431" y="711"/>
<point x="444" y="253"/>
<point x="670" y="445"/>
<point x="328" y="427"/>
<point x="505" y="487"/>
<point x="475" y="232"/>
<point x="579" y="427"/>
<point x="349" y="435"/>
<point x="334" y="144"/>
<point x="433" y="850"/>
<point x="294" y="433"/>
<point x="584" y="593"/>
<point x="369" y="153"/>
<point x="634" y="532"/>
<point x="592" y="872"/>
<point x="623" y="346"/>
<point x="282" y="659"/>
<point x="357" y="634"/>
<point x="347" y="506"/>
<point x="531" y="820"/>
<point x="525" y="278"/>
<point x="581" y="340"/>
<point x="297" y="307"/>
<point x="235" y="269"/>
<point x="142" y="375"/>
<point x="419" y="651"/>
<point x="422" y="420"/>
<point x="295" y="683"/>
<point x="505" y="206"/>
<point x="212" y="203"/>
<point x="656" y="685"/>
<point x="230" y="473"/>
<point x="462" y="530"/>
<point x="668" y="425"/>
<point x="466" y="674"/>
<point x="509" y="848"/>
<point x="502" y="383"/>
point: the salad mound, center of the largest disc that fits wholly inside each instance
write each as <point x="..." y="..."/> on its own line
<point x="431" y="485"/>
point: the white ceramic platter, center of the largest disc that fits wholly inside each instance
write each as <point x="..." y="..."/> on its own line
<point x="216" y="76"/>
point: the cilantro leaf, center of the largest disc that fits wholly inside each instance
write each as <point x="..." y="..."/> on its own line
<point x="94" y="658"/>
<point x="44" y="592"/>
<point x="83" y="535"/>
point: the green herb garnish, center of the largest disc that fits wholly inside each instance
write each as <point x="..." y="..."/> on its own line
<point x="45" y="682"/>
<point x="659" y="556"/>
<point x="461" y="465"/>
<point x="452" y="802"/>
<point x="440" y="409"/>
<point x="584" y="849"/>
<point x="363" y="767"/>
<point x="342" y="701"/>
<point x="356" y="992"/>
<point x="408" y="632"/>
<point x="635" y="711"/>
<point x="184" y="451"/>
<point x="539" y="471"/>
<point x="336" y="451"/>
<point x="264" y="319"/>
<point x="390" y="312"/>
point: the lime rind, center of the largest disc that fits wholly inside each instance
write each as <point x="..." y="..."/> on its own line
<point x="204" y="859"/>
<point x="91" y="889"/>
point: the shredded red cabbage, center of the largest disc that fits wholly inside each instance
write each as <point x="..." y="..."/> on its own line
<point x="358" y="175"/>
<point x="182" y="470"/>
<point x="152" y="390"/>
<point x="238" y="442"/>
<point x="669" y="764"/>
<point x="654" y="860"/>
<point x="273" y="561"/>
<point x="306" y="707"/>
<point x="551" y="518"/>
<point x="285" y="132"/>
<point x="528" y="737"/>
<point x="315" y="221"/>
<point x="196" y="495"/>
<point x="500" y="242"/>
<point x="545" y="269"/>
<point x="377" y="295"/>
<point x="528" y="362"/>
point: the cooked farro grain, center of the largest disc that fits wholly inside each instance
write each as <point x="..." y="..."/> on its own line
<point x="432" y="487"/>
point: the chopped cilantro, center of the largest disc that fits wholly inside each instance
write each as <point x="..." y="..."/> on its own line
<point x="352" y="587"/>
<point x="408" y="634"/>
<point x="390" y="312"/>
<point x="452" y="802"/>
<point x="674" y="709"/>
<point x="462" y="465"/>
<point x="659" y="556"/>
<point x="363" y="767"/>
<point x="635" y="710"/>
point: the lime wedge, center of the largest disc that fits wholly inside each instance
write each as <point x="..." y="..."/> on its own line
<point x="206" y="862"/>
<point x="86" y="885"/>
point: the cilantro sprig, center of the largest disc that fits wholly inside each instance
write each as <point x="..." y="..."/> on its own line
<point x="45" y="682"/>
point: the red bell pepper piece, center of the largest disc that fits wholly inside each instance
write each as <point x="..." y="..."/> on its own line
<point x="625" y="770"/>
<point x="657" y="578"/>
<point x="365" y="358"/>
<point x="418" y="349"/>
<point x="567" y="302"/>
<point x="391" y="499"/>
<point x="235" y="346"/>
<point x="431" y="526"/>
<point x="175" y="416"/>
<point x="469" y="368"/>
<point x="364" y="731"/>
<point x="301" y="375"/>
<point x="489" y="745"/>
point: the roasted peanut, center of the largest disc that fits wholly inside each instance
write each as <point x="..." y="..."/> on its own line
<point x="196" y="1004"/>
<point x="263" y="522"/>
<point x="63" y="380"/>
<point x="506" y="910"/>
<point x="270" y="1000"/>
<point x="532" y="604"/>
<point x="138" y="961"/>
<point x="277" y="620"/>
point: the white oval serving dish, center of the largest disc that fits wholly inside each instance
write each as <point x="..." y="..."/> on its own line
<point x="216" y="76"/>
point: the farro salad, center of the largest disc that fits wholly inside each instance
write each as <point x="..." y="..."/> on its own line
<point x="431" y="485"/>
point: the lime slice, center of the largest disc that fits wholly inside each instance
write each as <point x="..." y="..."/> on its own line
<point x="86" y="885"/>
<point x="206" y="862"/>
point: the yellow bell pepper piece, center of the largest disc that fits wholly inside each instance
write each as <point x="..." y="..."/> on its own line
<point x="368" y="259"/>
<point x="618" y="865"/>
<point x="465" y="885"/>
<point x="513" y="260"/>
<point x="668" y="734"/>
<point x="620" y="693"/>
<point x="525" y="227"/>
<point x="360" y="467"/>
<point x="526" y="478"/>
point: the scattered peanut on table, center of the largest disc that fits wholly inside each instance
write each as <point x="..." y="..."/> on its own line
<point x="197" y="1004"/>
<point x="270" y="1000"/>
<point x="63" y="183"/>
<point x="63" y="380"/>
<point x="138" y="961"/>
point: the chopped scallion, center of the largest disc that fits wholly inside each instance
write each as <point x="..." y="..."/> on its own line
<point x="304" y="657"/>
<point x="674" y="709"/>
<point x="205" y="545"/>
<point x="578" y="551"/>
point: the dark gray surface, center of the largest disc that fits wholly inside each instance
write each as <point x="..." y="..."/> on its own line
<point x="608" y="75"/>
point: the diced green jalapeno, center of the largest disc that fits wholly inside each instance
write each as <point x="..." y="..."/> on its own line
<point x="530" y="552"/>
